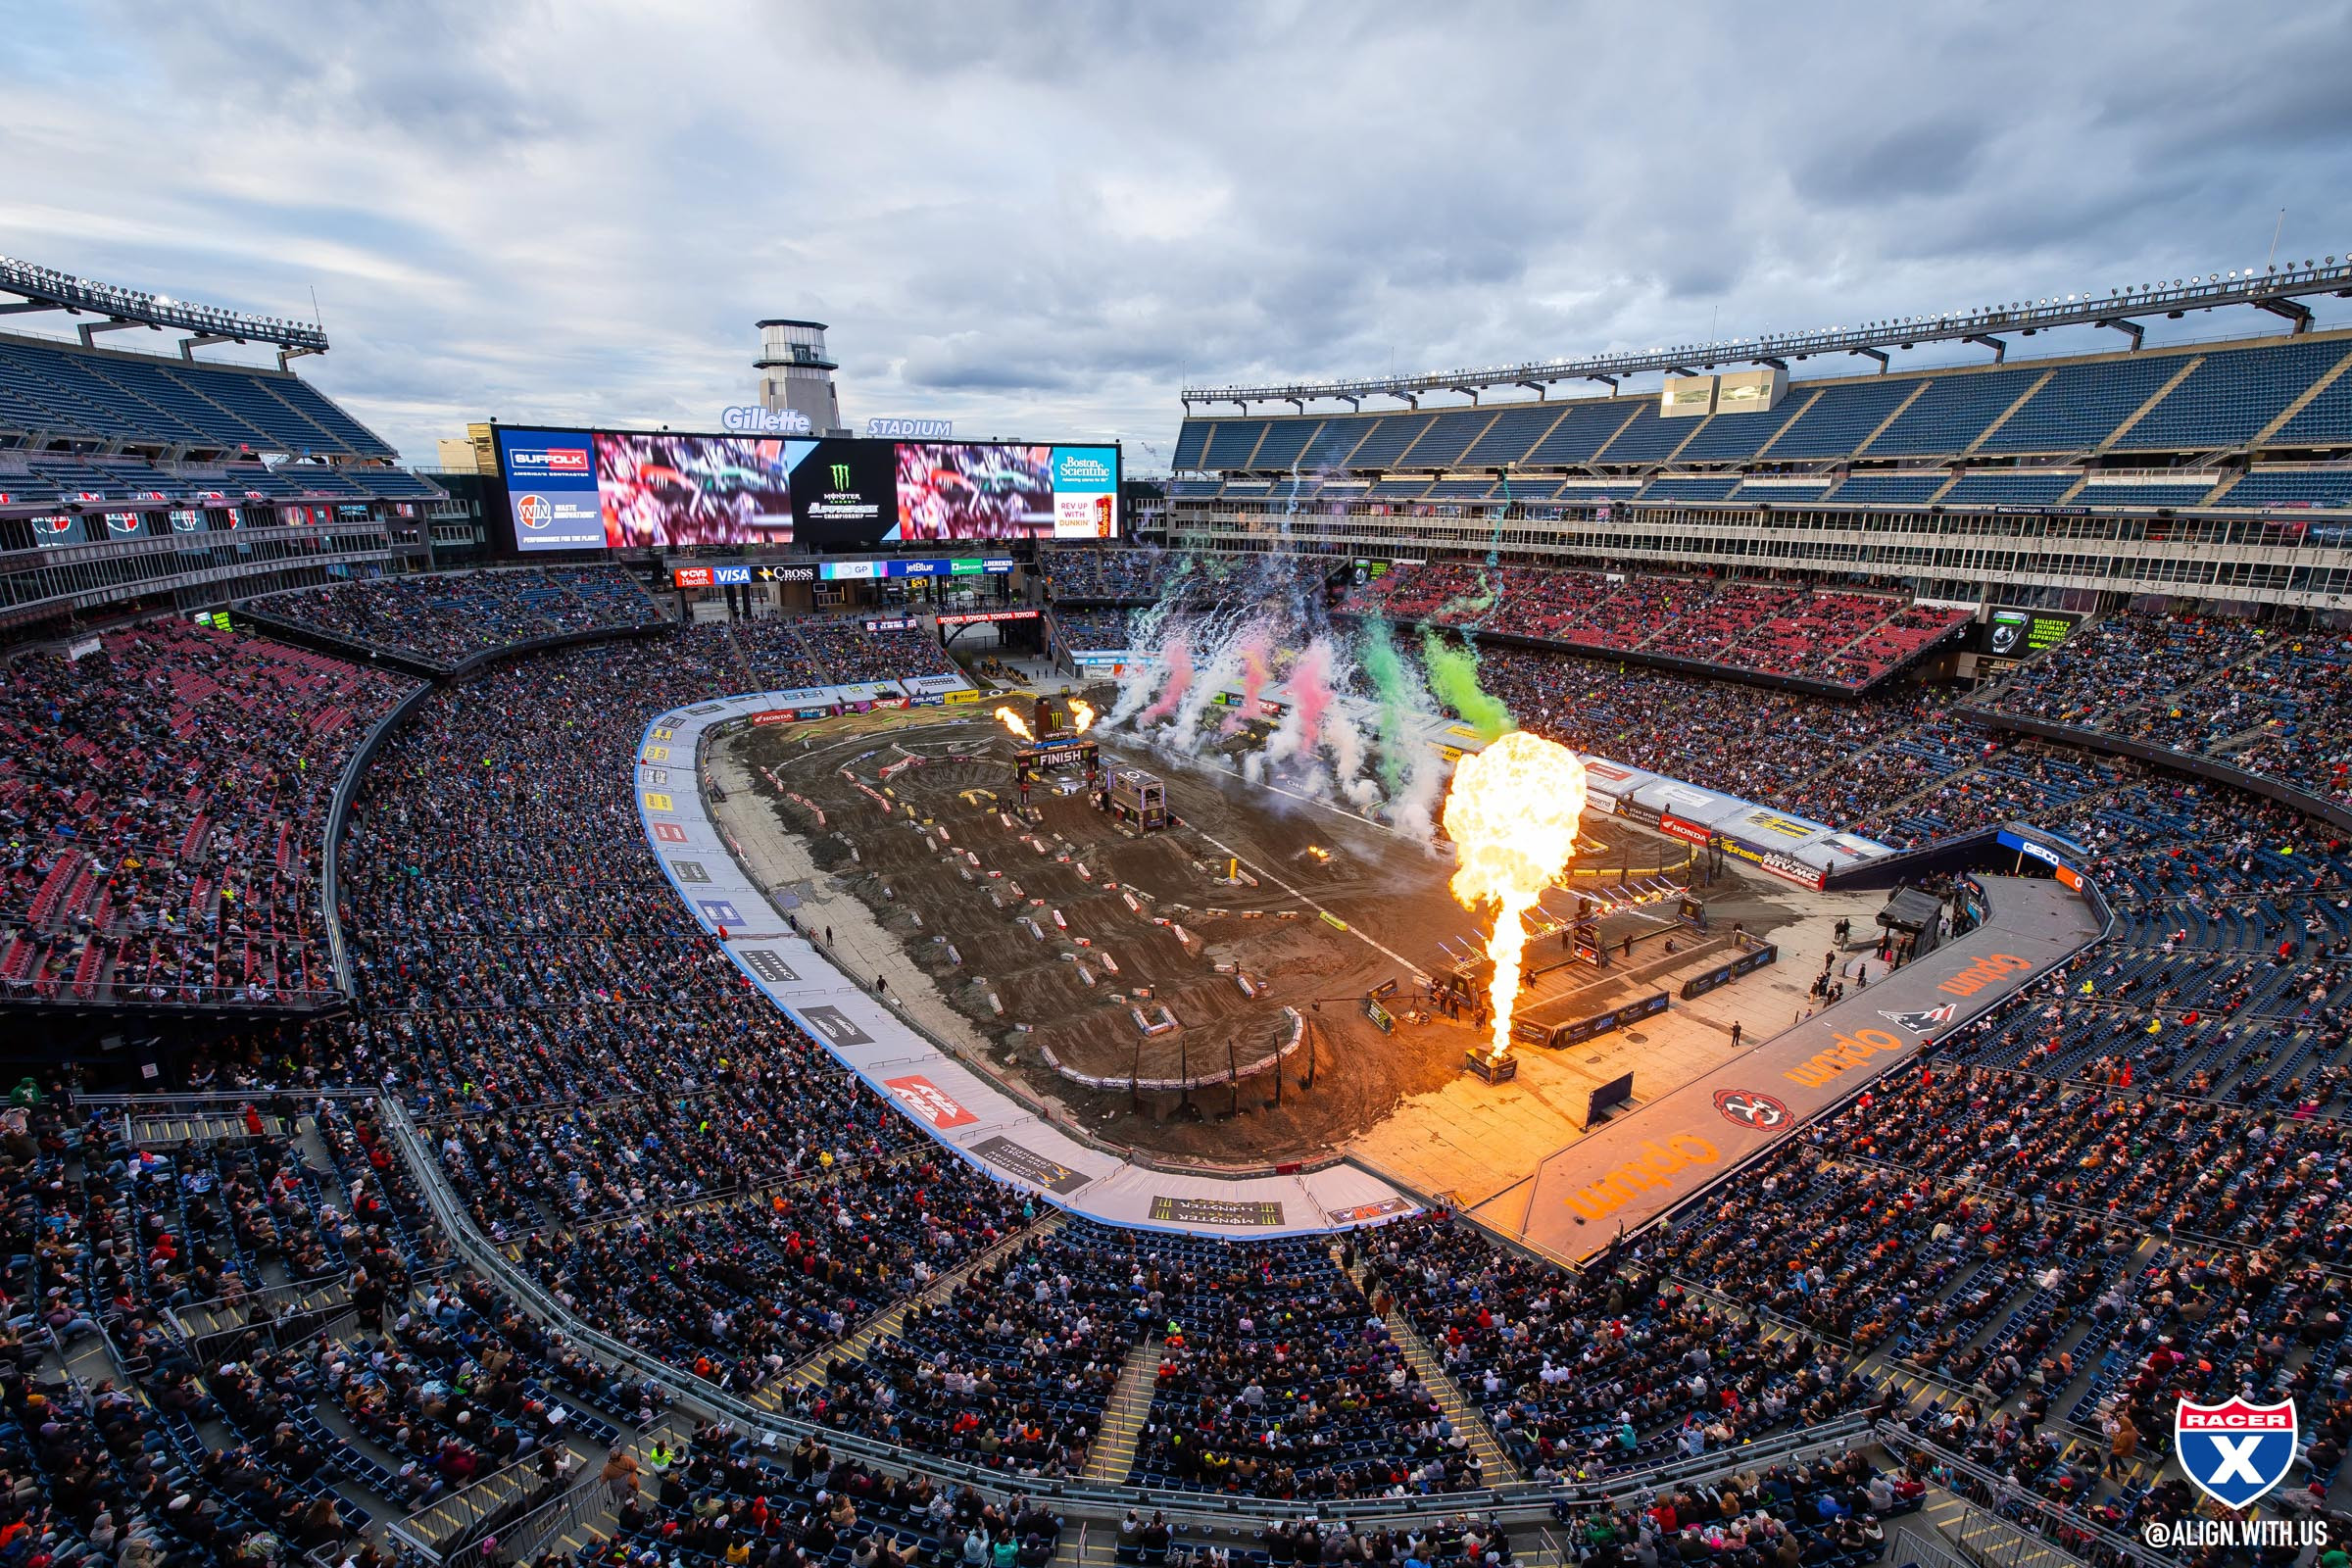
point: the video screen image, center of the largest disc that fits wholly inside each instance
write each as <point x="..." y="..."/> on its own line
<point x="964" y="491"/>
<point x="694" y="489"/>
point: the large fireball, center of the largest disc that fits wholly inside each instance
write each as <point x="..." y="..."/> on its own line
<point x="1014" y="722"/>
<point x="1511" y="813"/>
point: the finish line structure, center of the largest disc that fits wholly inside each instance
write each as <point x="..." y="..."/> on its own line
<point x="966" y="1112"/>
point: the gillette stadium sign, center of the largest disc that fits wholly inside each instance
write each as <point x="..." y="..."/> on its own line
<point x="751" y="419"/>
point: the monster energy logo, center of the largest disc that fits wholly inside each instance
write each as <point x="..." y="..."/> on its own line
<point x="841" y="476"/>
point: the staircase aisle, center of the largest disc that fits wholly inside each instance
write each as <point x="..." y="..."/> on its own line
<point x="1112" y="1452"/>
<point x="1468" y="1419"/>
<point x="885" y="1323"/>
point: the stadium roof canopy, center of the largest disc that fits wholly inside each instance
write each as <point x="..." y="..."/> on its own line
<point x="2275" y="288"/>
<point x="44" y="288"/>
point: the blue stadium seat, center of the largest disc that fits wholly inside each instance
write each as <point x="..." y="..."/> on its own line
<point x="2081" y="405"/>
<point x="1836" y="420"/>
<point x="1952" y="412"/>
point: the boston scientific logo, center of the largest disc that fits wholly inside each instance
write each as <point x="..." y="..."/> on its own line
<point x="534" y="511"/>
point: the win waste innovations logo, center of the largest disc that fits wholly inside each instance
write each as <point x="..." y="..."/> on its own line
<point x="534" y="511"/>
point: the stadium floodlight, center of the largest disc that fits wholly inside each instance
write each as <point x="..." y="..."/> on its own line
<point x="47" y="288"/>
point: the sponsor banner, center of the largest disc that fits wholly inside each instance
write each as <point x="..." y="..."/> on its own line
<point x="770" y="965"/>
<point x="550" y="489"/>
<point x="930" y="1103"/>
<point x="1359" y="1213"/>
<point x="833" y="1027"/>
<point x="1723" y="975"/>
<point x="1086" y="491"/>
<point x="2011" y="632"/>
<point x="1790" y="868"/>
<point x="894" y="624"/>
<point x="1026" y="1163"/>
<point x="1675" y="827"/>
<point x="692" y="578"/>
<point x="1634" y="810"/>
<point x="1214" y="1211"/>
<point x="961" y="696"/>
<point x="975" y="616"/>
<point x="1577" y="1031"/>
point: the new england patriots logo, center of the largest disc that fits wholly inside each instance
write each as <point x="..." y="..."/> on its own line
<point x="2235" y="1452"/>
<point x="1926" y="1018"/>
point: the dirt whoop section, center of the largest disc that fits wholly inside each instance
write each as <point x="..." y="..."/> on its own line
<point x="1154" y="977"/>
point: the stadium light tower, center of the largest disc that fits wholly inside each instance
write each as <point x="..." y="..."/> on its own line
<point x="795" y="373"/>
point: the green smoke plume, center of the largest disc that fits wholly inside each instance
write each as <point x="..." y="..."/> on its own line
<point x="1391" y="683"/>
<point x="1453" y="677"/>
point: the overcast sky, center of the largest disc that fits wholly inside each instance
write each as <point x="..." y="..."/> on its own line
<point x="1043" y="218"/>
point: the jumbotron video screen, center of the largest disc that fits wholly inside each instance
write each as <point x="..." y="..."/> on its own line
<point x="626" y="489"/>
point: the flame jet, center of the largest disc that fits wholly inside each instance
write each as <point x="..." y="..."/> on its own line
<point x="1511" y="814"/>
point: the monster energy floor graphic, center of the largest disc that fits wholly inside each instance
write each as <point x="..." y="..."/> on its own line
<point x="961" y="1108"/>
<point x="1650" y="1159"/>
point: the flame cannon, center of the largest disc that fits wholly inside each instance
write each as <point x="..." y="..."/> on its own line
<point x="1511" y="813"/>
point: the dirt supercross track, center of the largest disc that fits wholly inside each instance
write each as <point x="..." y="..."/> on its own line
<point x="1111" y="966"/>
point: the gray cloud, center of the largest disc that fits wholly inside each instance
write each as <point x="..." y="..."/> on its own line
<point x="1045" y="217"/>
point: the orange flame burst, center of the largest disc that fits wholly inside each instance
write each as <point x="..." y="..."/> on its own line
<point x="1014" y="722"/>
<point x="1511" y="813"/>
<point x="1082" y="715"/>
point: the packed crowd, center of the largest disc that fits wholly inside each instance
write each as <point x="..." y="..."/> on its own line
<point x="1093" y="628"/>
<point x="2273" y="703"/>
<point x="1136" y="574"/>
<point x="165" y="801"/>
<point x="791" y="652"/>
<point x="1793" y="629"/>
<point x="446" y="618"/>
<point x="1012" y="1368"/>
<point x="2123" y="1185"/>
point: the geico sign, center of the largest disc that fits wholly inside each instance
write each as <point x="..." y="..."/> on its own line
<point x="1655" y="1166"/>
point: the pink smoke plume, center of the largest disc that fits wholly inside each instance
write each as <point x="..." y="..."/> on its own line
<point x="1176" y="657"/>
<point x="1253" y="648"/>
<point x="1310" y="695"/>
